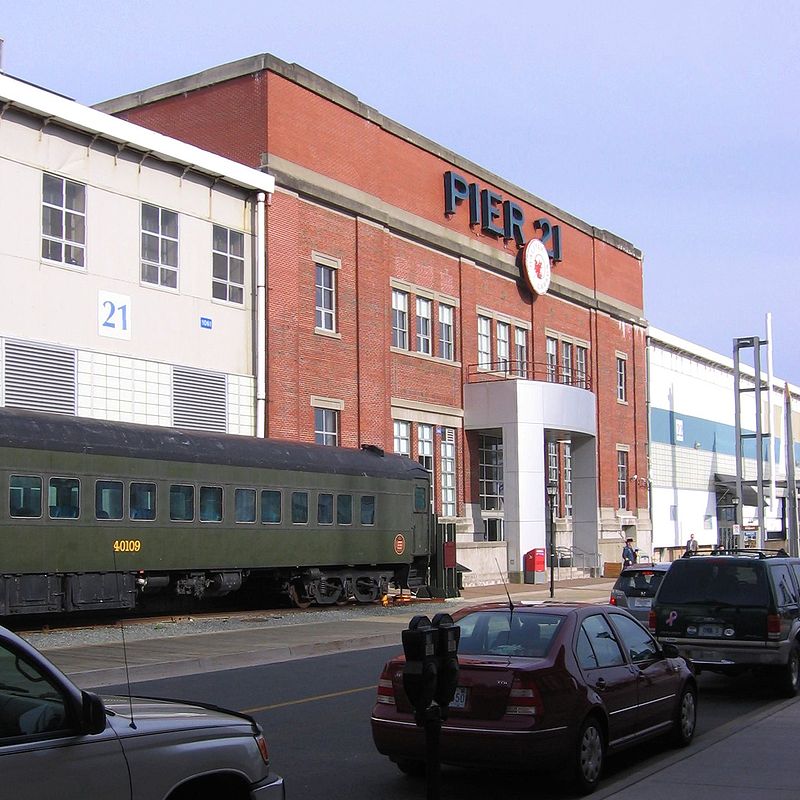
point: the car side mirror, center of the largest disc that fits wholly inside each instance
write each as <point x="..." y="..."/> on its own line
<point x="670" y="650"/>
<point x="93" y="713"/>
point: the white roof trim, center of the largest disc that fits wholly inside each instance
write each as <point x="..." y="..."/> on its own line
<point x="75" y="115"/>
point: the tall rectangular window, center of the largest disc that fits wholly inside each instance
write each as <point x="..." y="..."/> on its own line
<point x="521" y="352"/>
<point x="566" y="362"/>
<point x="228" y="265"/>
<point x="424" y="307"/>
<point x="325" y="298"/>
<point x="490" y="464"/>
<point x="568" y="479"/>
<point x="581" y="367"/>
<point x="402" y="437"/>
<point x="503" y="332"/>
<point x="159" y="246"/>
<point x="446" y="332"/>
<point x="622" y="479"/>
<point x="63" y="221"/>
<point x="448" y="472"/>
<point x="551" y="348"/>
<point x="622" y="388"/>
<point x="399" y="319"/>
<point x="552" y="468"/>
<point x="425" y="446"/>
<point x="326" y="426"/>
<point x="484" y="343"/>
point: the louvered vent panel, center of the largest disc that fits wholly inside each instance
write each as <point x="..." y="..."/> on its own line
<point x="39" y="378"/>
<point x="199" y="400"/>
<point x="449" y="435"/>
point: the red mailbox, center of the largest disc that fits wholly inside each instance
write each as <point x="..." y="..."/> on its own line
<point x="534" y="565"/>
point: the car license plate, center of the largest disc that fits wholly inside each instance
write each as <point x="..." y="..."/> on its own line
<point x="642" y="602"/>
<point x="459" y="698"/>
<point x="710" y="630"/>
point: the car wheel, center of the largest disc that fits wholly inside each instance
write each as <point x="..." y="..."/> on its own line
<point x="408" y="766"/>
<point x="589" y="756"/>
<point x="791" y="673"/>
<point x="686" y="719"/>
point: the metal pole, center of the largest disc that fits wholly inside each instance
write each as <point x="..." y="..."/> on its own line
<point x="552" y="544"/>
<point x="791" y="485"/>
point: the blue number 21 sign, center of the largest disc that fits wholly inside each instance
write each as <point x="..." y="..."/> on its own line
<point x="113" y="315"/>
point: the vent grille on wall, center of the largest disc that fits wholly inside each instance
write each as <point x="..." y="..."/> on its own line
<point x="199" y="400"/>
<point x="39" y="378"/>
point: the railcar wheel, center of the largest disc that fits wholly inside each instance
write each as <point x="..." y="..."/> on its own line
<point x="329" y="592"/>
<point x="366" y="590"/>
<point x="298" y="597"/>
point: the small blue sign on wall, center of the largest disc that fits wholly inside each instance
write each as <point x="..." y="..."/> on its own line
<point x="205" y="322"/>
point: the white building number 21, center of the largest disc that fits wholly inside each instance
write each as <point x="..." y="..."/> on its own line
<point x="113" y="315"/>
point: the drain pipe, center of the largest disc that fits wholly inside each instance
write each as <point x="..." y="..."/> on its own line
<point x="261" y="316"/>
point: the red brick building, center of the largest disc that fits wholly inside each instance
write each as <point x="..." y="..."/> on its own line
<point x="398" y="313"/>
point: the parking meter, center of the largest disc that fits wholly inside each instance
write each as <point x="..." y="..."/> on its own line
<point x="448" y="635"/>
<point x="420" y="670"/>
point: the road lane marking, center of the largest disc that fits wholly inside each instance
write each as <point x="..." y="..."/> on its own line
<point x="343" y="693"/>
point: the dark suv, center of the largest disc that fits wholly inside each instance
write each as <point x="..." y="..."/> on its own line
<point x="732" y="610"/>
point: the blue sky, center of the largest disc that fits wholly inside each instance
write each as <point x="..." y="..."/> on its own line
<point x="675" y="126"/>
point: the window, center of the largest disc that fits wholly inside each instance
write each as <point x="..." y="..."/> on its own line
<point x="446" y="328"/>
<point x="402" y="437"/>
<point x="420" y="498"/>
<point x="622" y="391"/>
<point x="325" y="509"/>
<point x="326" y="298"/>
<point x="521" y="352"/>
<point x="25" y="496"/>
<point x="244" y="501"/>
<point x="368" y="510"/>
<point x="228" y="265"/>
<point x="63" y="221"/>
<point x="551" y="347"/>
<point x="425" y="446"/>
<point x="566" y="362"/>
<point x="424" y="307"/>
<point x="64" y="498"/>
<point x="270" y="506"/>
<point x="159" y="246"/>
<point x="448" y="476"/>
<point x="210" y="504"/>
<point x="484" y="343"/>
<point x="581" y="365"/>
<point x="552" y="463"/>
<point x="326" y="426"/>
<point x="503" y="329"/>
<point x="344" y="509"/>
<point x="600" y="647"/>
<point x="399" y="319"/>
<point x="638" y="643"/>
<point x="300" y="507"/>
<point x="142" y="501"/>
<point x="181" y="503"/>
<point x="568" y="479"/>
<point x="490" y="458"/>
<point x="108" y="499"/>
<point x="622" y="479"/>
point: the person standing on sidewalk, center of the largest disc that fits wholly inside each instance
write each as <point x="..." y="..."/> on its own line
<point x="691" y="545"/>
<point x="628" y="553"/>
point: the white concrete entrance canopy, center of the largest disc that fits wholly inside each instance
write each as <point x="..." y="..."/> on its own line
<point x="530" y="413"/>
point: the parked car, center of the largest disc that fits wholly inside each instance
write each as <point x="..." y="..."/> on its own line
<point x="544" y="685"/>
<point x="636" y="587"/>
<point x="730" y="611"/>
<point x="59" y="741"/>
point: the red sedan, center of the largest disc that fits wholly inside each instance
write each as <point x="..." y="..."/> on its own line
<point x="545" y="685"/>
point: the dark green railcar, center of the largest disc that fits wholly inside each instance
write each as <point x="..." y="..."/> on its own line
<point x="98" y="514"/>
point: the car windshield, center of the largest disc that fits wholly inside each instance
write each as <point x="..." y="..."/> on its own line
<point x="639" y="582"/>
<point x="702" y="581"/>
<point x="501" y="632"/>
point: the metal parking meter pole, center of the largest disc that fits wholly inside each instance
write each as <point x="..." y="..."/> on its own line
<point x="552" y="492"/>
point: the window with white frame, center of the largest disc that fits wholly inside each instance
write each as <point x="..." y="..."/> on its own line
<point x="227" y="281"/>
<point x="566" y="362"/>
<point x="63" y="221"/>
<point x="402" y="437"/>
<point x="622" y="387"/>
<point x="503" y="333"/>
<point x="424" y="308"/>
<point x="622" y="479"/>
<point x="551" y="351"/>
<point x="159" y="246"/>
<point x="521" y="351"/>
<point x="552" y="468"/>
<point x="484" y="342"/>
<point x="490" y="465"/>
<point x="448" y="472"/>
<point x="446" y="329"/>
<point x="425" y="446"/>
<point x="399" y="319"/>
<point x="581" y="367"/>
<point x="326" y="426"/>
<point x="568" y="479"/>
<point x="325" y="291"/>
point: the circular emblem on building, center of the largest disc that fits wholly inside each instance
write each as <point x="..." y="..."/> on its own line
<point x="399" y="544"/>
<point x="536" y="266"/>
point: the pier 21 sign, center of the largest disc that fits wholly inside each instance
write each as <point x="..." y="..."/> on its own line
<point x="496" y="216"/>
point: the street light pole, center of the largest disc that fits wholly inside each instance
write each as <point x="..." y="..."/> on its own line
<point x="552" y="493"/>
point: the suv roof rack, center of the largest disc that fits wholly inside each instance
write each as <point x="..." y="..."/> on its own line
<point x="734" y="551"/>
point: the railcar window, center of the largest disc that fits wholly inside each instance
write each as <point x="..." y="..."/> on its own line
<point x="344" y="509"/>
<point x="64" y="498"/>
<point x="181" y="503"/>
<point x="367" y="510"/>
<point x="325" y="509"/>
<point x="25" y="496"/>
<point x="108" y="499"/>
<point x="210" y="504"/>
<point x="245" y="502"/>
<point x="300" y="507"/>
<point x="420" y="498"/>
<point x="143" y="501"/>
<point x="270" y="506"/>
